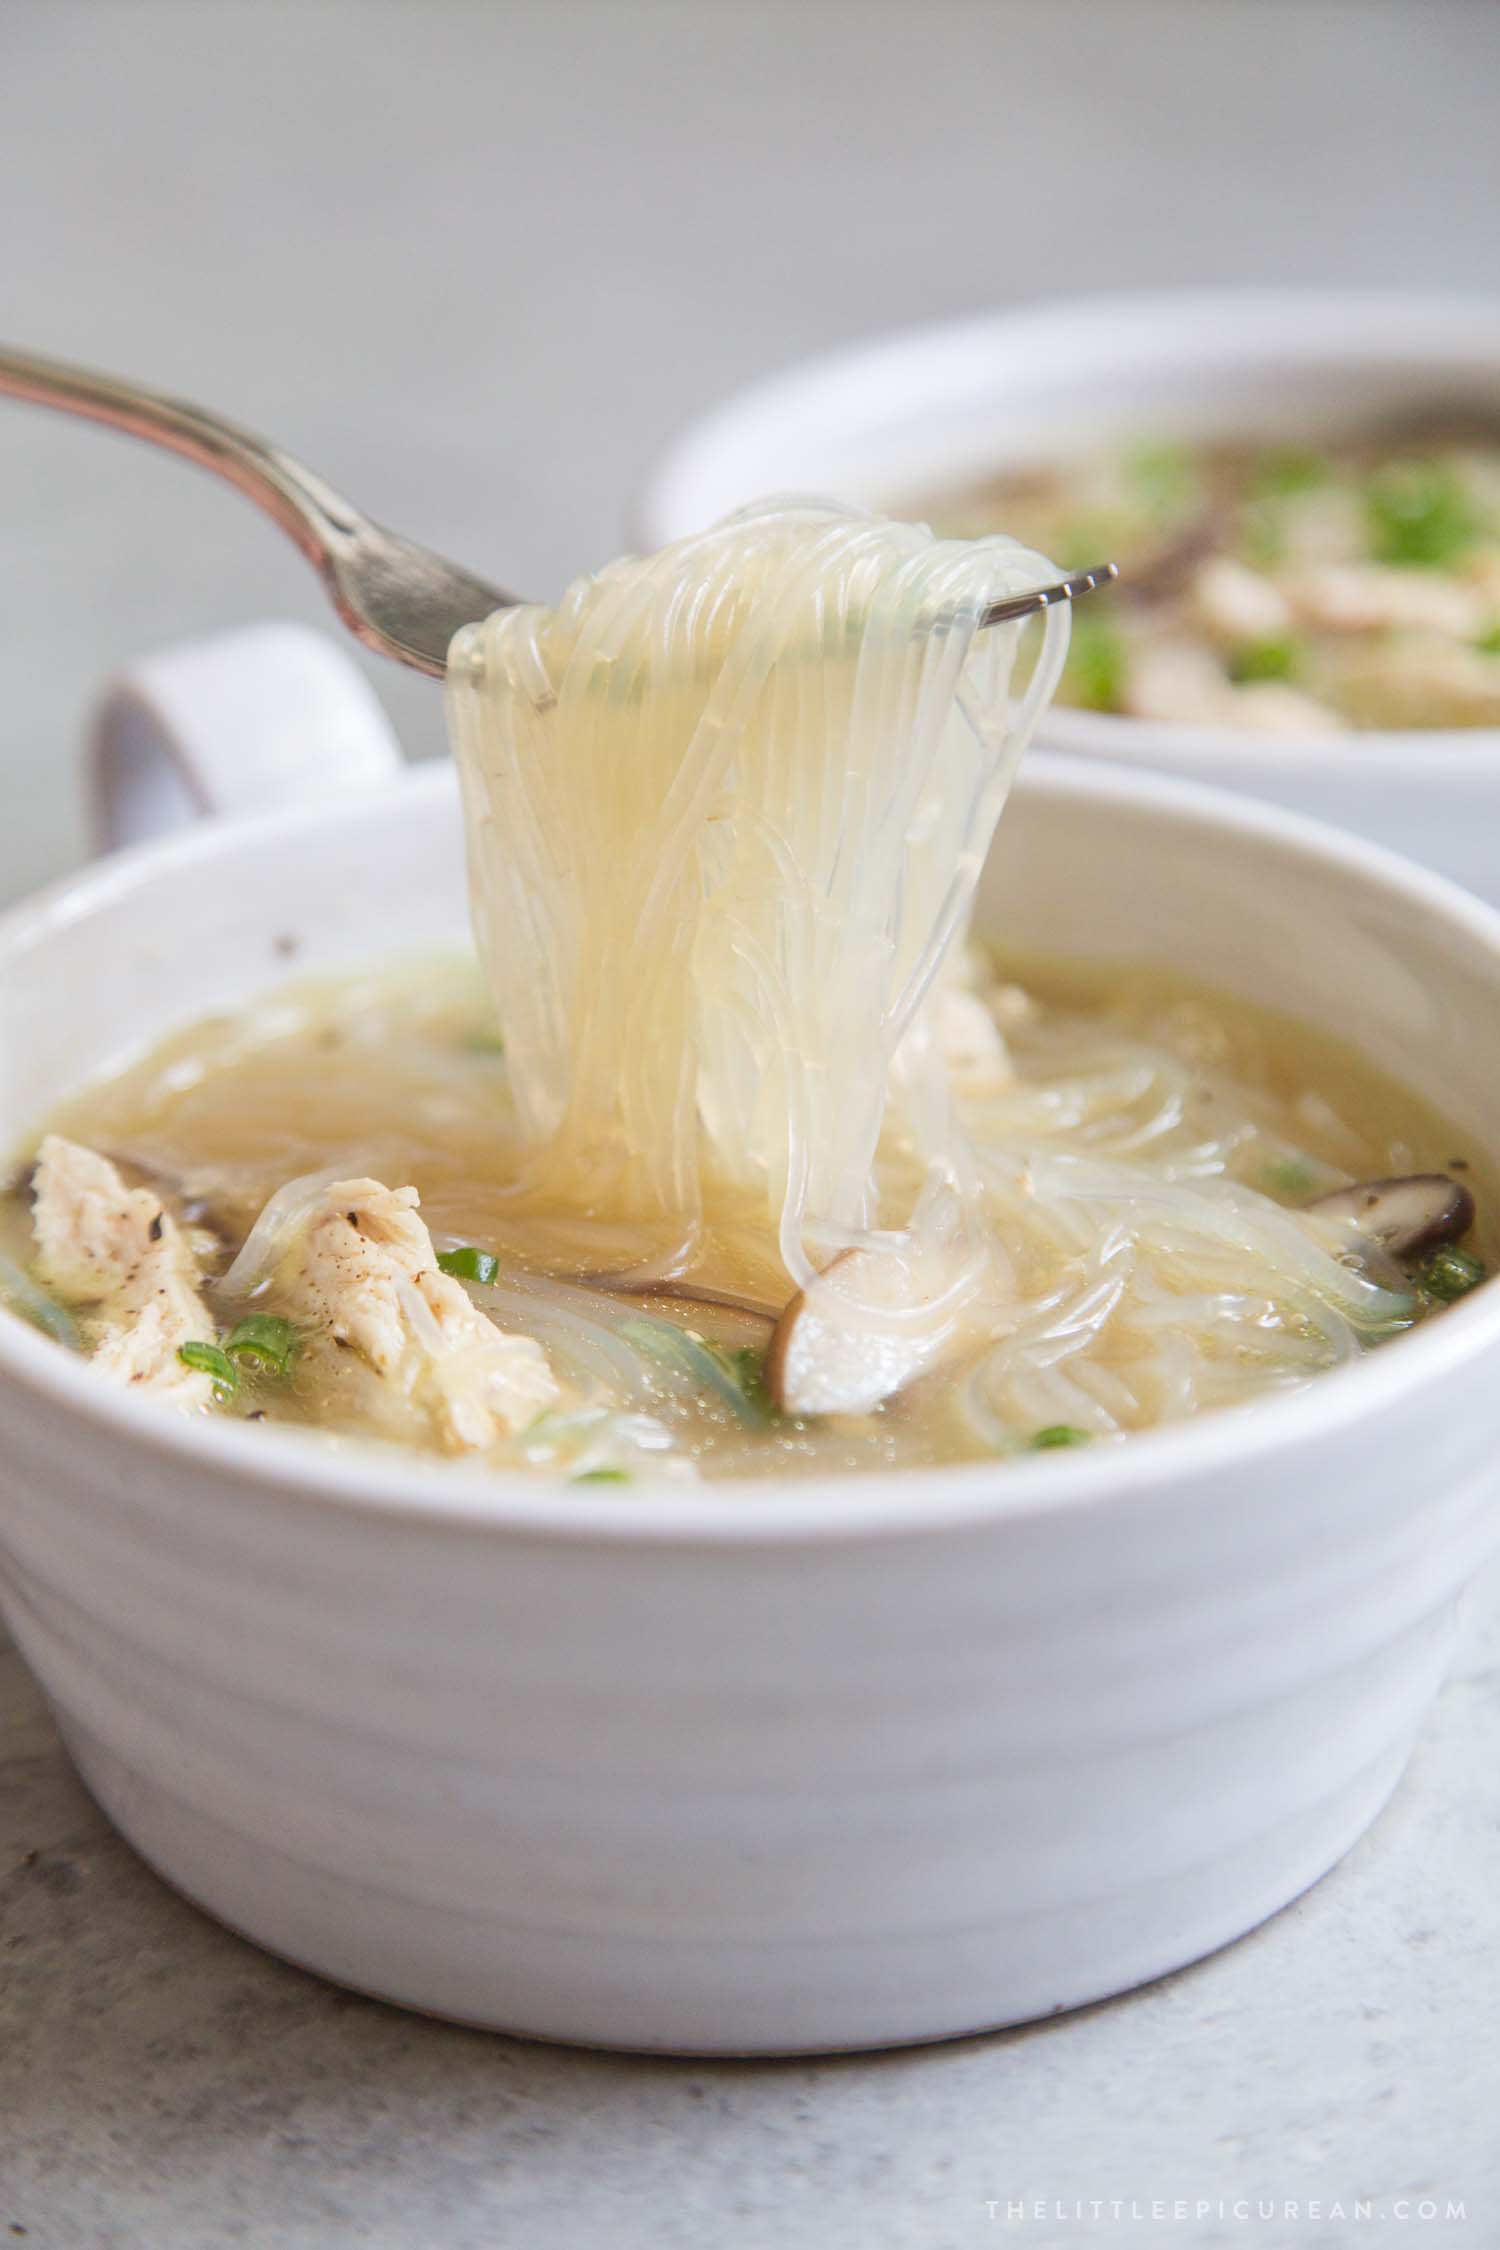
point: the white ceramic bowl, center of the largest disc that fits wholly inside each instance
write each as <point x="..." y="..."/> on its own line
<point x="759" y="1767"/>
<point x="897" y="420"/>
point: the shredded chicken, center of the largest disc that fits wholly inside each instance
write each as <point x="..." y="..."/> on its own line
<point x="117" y="1253"/>
<point x="1482" y="571"/>
<point x="1176" y="681"/>
<point x="1235" y="604"/>
<point x="1325" y="525"/>
<point x="972" y="1044"/>
<point x="363" y="1276"/>
<point x="1011" y="1005"/>
<point x="1421" y="679"/>
<point x="959" y="1020"/>
<point x="1271" y="707"/>
<point x="1376" y="597"/>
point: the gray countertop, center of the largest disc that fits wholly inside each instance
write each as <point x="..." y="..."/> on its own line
<point x="162" y="2084"/>
<point x="478" y="263"/>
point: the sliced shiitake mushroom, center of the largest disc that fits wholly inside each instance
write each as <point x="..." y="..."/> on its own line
<point x="1404" y="1216"/>
<point x="1163" y="570"/>
<point x="818" y="1363"/>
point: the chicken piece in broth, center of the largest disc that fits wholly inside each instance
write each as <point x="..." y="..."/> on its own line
<point x="116" y="1253"/>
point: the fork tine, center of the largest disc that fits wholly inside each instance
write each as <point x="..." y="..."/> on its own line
<point x="1042" y="597"/>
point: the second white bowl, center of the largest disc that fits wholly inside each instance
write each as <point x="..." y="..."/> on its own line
<point x="895" y="421"/>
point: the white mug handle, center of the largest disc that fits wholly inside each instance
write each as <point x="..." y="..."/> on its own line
<point x="268" y="715"/>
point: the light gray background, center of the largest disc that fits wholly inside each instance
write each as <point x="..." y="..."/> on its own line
<point x="478" y="263"/>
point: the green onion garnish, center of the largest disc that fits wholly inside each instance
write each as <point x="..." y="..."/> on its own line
<point x="749" y="1366"/>
<point x="1261" y="539"/>
<point x="601" y="1476"/>
<point x="1488" y="643"/>
<point x="1418" y="513"/>
<point x="1058" y="1433"/>
<point x="1450" y="1273"/>
<point x="262" y="1340"/>
<point x="1290" y="469"/>
<point x="469" y="1263"/>
<point x="1162" y="478"/>
<point x="1290" y="1177"/>
<point x="32" y="1302"/>
<point x="1264" y="660"/>
<point x="736" y="1379"/>
<point x="1078" y="541"/>
<point x="1096" y="664"/>
<point x="207" y="1359"/>
<point x="484" y="1043"/>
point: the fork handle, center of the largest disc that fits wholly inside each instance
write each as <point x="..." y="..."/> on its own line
<point x="308" y="510"/>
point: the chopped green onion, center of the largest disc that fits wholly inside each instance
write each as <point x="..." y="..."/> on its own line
<point x="32" y="1303"/>
<point x="1264" y="660"/>
<point x="749" y="1366"/>
<point x="1418" y="513"/>
<point x="1290" y="469"/>
<point x="207" y="1359"/>
<point x="1162" y="479"/>
<point x="1079" y="543"/>
<point x="1096" y="664"/>
<point x="263" y="1341"/>
<point x="1261" y="538"/>
<point x="1058" y="1433"/>
<point x="484" y="1043"/>
<point x="1450" y="1273"/>
<point x="724" y="1374"/>
<point x="469" y="1263"/>
<point x="1289" y="1178"/>
<point x="601" y="1476"/>
<point x="1488" y="643"/>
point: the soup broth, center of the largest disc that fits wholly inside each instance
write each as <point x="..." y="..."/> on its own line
<point x="748" y="1162"/>
<point x="400" y="1077"/>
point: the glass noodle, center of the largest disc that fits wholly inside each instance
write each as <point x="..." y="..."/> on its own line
<point x="727" y="808"/>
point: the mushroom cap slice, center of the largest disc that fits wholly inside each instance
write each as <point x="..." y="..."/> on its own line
<point x="1404" y="1216"/>
<point x="825" y="1359"/>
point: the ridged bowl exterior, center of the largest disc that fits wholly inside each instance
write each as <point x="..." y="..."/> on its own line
<point x="809" y="1768"/>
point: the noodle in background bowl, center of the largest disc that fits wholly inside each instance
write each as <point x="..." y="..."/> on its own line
<point x="751" y="1767"/>
<point x="898" y="420"/>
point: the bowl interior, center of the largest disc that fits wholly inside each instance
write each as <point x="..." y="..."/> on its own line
<point x="1090" y="863"/>
<point x="108" y="962"/>
<point x="1274" y="910"/>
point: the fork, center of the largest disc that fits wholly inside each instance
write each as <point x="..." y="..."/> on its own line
<point x="397" y="597"/>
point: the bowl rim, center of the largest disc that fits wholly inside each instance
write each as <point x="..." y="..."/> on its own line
<point x="1340" y="322"/>
<point x="375" y="1483"/>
